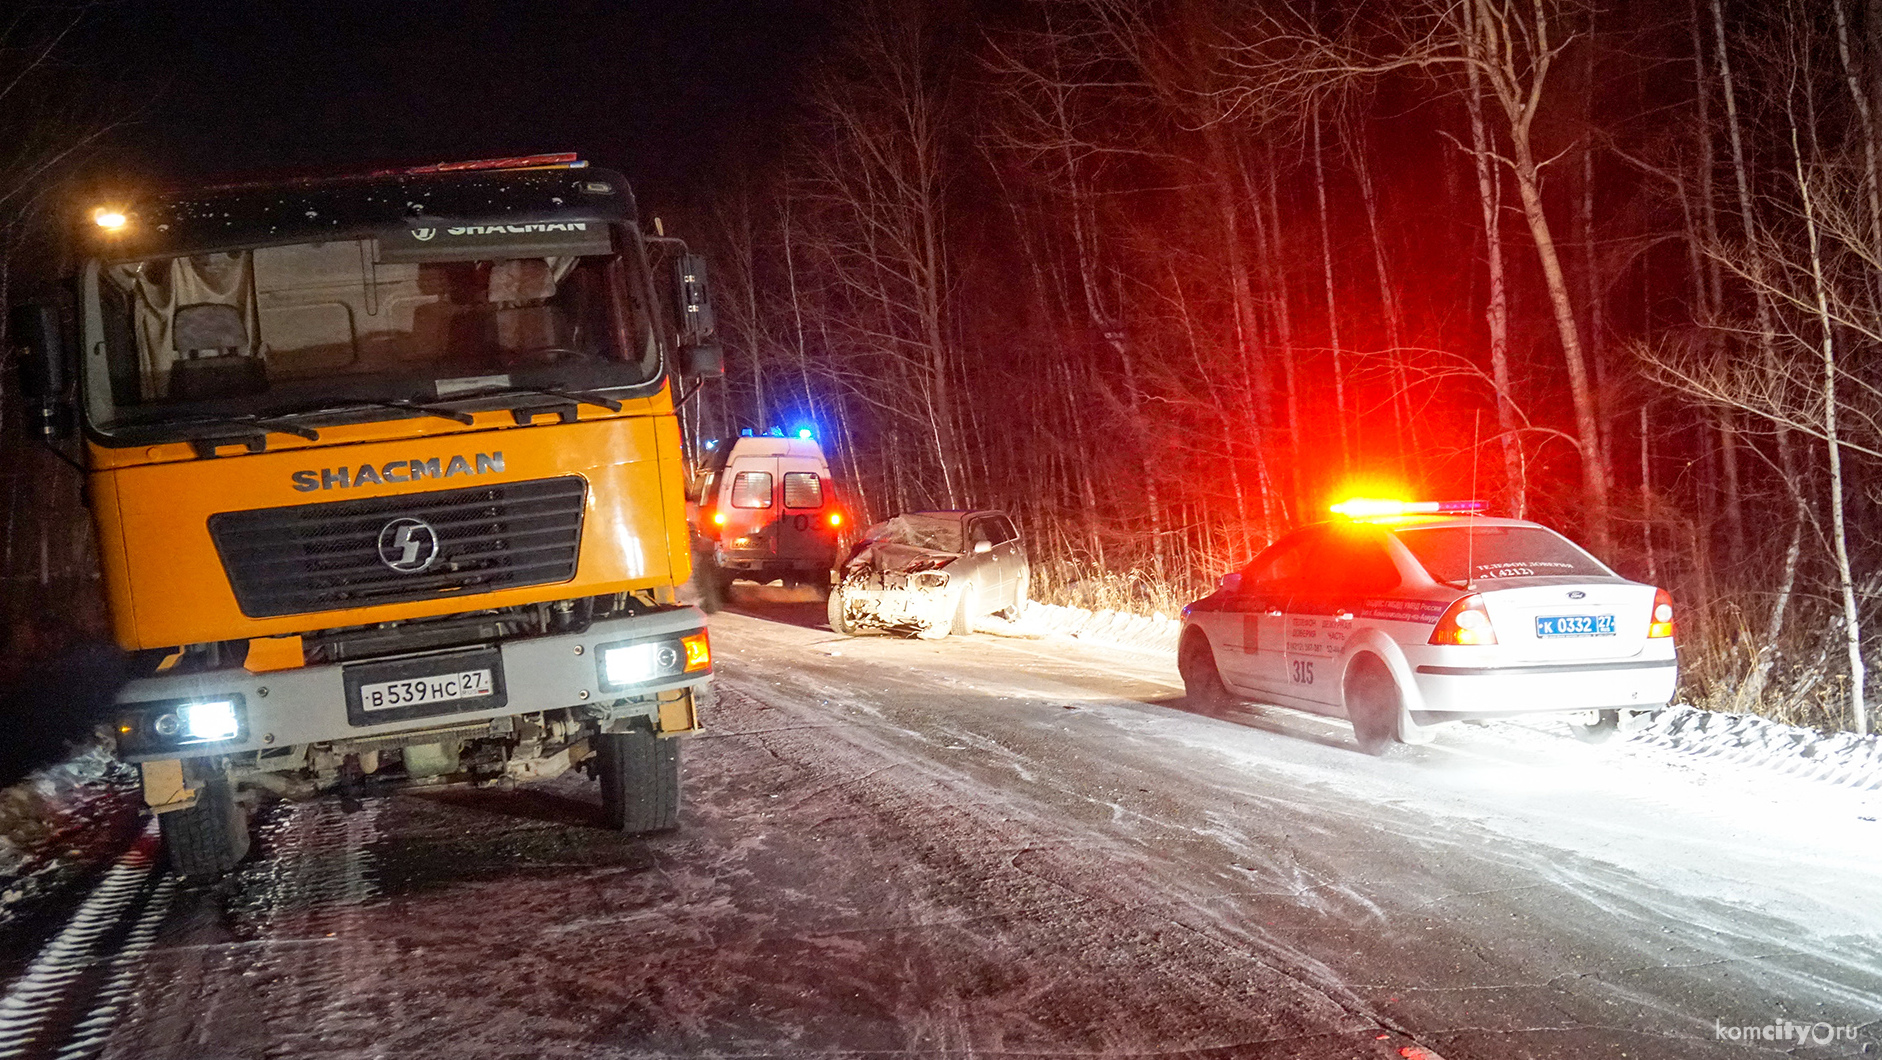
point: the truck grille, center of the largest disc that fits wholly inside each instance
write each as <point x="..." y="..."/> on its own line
<point x="323" y="557"/>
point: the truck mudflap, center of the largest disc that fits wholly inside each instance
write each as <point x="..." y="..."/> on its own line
<point x="614" y="670"/>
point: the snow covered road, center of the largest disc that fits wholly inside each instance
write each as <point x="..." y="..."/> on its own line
<point x="999" y="846"/>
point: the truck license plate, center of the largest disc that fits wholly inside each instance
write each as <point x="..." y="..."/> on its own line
<point x="425" y="686"/>
<point x="1574" y="625"/>
<point x="426" y="691"/>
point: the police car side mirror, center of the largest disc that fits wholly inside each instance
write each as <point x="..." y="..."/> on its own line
<point x="1231" y="582"/>
<point x="982" y="546"/>
<point x="702" y="362"/>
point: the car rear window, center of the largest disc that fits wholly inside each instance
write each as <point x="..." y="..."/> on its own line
<point x="803" y="489"/>
<point x="1480" y="553"/>
<point x="752" y="489"/>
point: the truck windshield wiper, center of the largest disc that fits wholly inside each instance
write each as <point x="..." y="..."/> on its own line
<point x="388" y="403"/>
<point x="580" y="397"/>
<point x="252" y="431"/>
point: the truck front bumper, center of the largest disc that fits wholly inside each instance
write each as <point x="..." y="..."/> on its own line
<point x="310" y="704"/>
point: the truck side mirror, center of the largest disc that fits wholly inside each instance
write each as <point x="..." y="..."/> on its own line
<point x="1232" y="582"/>
<point x="43" y="375"/>
<point x="695" y="298"/>
<point x="702" y="362"/>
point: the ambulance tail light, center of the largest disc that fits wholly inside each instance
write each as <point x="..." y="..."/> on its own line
<point x="1465" y="622"/>
<point x="1662" y="623"/>
<point x="835" y="519"/>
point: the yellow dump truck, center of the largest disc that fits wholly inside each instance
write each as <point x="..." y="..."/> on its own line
<point x="387" y="482"/>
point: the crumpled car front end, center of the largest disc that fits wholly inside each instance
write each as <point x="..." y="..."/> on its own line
<point x="897" y="588"/>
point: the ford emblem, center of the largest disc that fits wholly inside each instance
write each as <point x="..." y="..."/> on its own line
<point x="1576" y="594"/>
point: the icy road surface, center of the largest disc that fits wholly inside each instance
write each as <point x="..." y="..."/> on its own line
<point x="995" y="846"/>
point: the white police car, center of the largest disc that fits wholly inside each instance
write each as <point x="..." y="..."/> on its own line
<point x="1403" y="615"/>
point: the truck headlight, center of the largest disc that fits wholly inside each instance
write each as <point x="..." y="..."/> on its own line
<point x="172" y="724"/>
<point x="210" y="721"/>
<point x="626" y="665"/>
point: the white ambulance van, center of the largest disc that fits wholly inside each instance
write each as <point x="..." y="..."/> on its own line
<point x="768" y="511"/>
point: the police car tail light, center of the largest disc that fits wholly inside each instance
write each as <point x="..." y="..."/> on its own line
<point x="1662" y="623"/>
<point x="1465" y="622"/>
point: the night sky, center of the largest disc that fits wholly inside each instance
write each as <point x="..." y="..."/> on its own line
<point x="663" y="91"/>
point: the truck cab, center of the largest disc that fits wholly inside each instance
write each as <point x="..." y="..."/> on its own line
<point x="387" y="483"/>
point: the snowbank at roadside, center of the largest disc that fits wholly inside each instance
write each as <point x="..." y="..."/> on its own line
<point x="1145" y="634"/>
<point x="60" y="822"/>
<point x="1841" y="758"/>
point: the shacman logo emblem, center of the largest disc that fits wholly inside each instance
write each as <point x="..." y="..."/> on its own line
<point x="423" y="234"/>
<point x="408" y="545"/>
<point x="396" y="471"/>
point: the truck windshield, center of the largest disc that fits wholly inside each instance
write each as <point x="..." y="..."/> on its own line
<point x="272" y="331"/>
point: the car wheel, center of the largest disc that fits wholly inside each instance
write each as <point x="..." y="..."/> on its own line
<point x="835" y="608"/>
<point x="640" y="780"/>
<point x="209" y="838"/>
<point x="1202" y="682"/>
<point x="963" y="613"/>
<point x="1595" y="726"/>
<point x="1372" y="705"/>
<point x="1020" y="587"/>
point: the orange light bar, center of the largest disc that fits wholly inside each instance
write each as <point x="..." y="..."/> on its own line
<point x="1371" y="507"/>
<point x="698" y="652"/>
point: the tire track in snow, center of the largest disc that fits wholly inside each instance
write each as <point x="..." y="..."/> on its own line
<point x="67" y="1001"/>
<point x="317" y="878"/>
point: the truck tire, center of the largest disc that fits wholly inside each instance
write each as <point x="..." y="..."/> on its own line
<point x="640" y="780"/>
<point x="209" y="838"/>
<point x="834" y="608"/>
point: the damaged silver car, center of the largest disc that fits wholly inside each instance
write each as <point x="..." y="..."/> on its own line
<point x="928" y="574"/>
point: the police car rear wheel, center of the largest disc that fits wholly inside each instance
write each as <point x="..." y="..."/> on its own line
<point x="1202" y="682"/>
<point x="1373" y="706"/>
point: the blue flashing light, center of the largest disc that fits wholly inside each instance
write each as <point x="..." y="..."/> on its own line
<point x="775" y="432"/>
<point x="712" y="443"/>
<point x="744" y="432"/>
<point x="806" y="432"/>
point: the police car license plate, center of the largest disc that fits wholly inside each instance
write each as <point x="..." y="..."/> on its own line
<point x="427" y="691"/>
<point x="1574" y="625"/>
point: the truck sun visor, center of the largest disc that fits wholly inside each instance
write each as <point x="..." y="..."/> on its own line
<point x="475" y="241"/>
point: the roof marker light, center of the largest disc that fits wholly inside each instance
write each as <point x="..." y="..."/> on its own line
<point x="1370" y="507"/>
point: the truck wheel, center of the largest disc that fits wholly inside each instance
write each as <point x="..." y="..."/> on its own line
<point x="209" y="838"/>
<point x="1372" y="705"/>
<point x="835" y="608"/>
<point x="640" y="780"/>
<point x="963" y="613"/>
